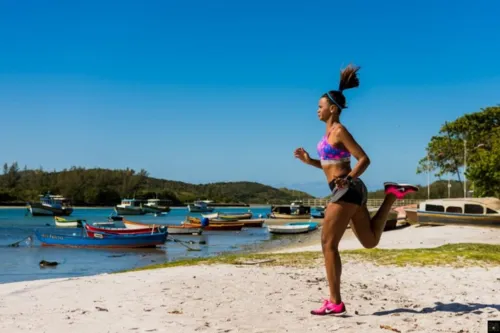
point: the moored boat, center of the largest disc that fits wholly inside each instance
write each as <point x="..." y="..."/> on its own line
<point x="129" y="207"/>
<point x="172" y="229"/>
<point x="200" y="207"/>
<point x="252" y="223"/>
<point x="101" y="240"/>
<point x="212" y="226"/>
<point x="310" y="225"/>
<point x="64" y="223"/>
<point x="460" y="211"/>
<point x="288" y="229"/>
<point x="50" y="205"/>
<point x="124" y="231"/>
<point x="293" y="211"/>
<point x="237" y="216"/>
<point x="153" y="206"/>
<point x="248" y="223"/>
<point x="216" y="227"/>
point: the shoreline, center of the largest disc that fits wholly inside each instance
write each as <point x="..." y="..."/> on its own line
<point x="171" y="207"/>
<point x="216" y="297"/>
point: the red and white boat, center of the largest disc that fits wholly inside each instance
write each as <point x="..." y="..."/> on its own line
<point x="172" y="229"/>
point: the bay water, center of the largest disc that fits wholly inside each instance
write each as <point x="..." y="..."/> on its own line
<point x="21" y="263"/>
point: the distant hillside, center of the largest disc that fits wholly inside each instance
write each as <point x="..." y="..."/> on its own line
<point x="106" y="187"/>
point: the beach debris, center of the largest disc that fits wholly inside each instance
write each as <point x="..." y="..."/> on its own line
<point x="44" y="263"/>
<point x="175" y="312"/>
<point x="101" y="309"/>
<point x="387" y="327"/>
<point x="255" y="262"/>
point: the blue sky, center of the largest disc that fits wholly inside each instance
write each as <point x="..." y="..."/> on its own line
<point x="203" y="91"/>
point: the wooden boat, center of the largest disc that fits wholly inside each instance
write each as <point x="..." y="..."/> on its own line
<point x="211" y="215"/>
<point x="310" y="225"/>
<point x="288" y="229"/>
<point x="223" y="225"/>
<point x="153" y="206"/>
<point x="237" y="216"/>
<point x="63" y="223"/>
<point x="172" y="229"/>
<point x="129" y="207"/>
<point x="183" y="230"/>
<point x="200" y="207"/>
<point x="101" y="240"/>
<point x="252" y="223"/>
<point x="124" y="231"/>
<point x="460" y="211"/>
<point x="216" y="226"/>
<point x="294" y="211"/>
<point x="50" y="205"/>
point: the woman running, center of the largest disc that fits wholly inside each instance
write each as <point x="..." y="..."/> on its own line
<point x="349" y="193"/>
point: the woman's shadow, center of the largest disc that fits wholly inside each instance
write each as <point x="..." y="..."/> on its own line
<point x="449" y="307"/>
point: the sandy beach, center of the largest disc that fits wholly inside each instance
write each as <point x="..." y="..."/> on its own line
<point x="242" y="298"/>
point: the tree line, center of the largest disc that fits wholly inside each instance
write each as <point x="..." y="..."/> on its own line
<point x="471" y="141"/>
<point x="105" y="187"/>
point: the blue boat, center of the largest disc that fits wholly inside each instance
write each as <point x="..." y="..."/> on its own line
<point x="101" y="240"/>
<point x="312" y="225"/>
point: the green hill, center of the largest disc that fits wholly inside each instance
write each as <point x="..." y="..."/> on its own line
<point x="105" y="187"/>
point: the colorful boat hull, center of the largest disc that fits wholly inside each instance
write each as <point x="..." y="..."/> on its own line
<point x="123" y="231"/>
<point x="102" y="240"/>
<point x="63" y="223"/>
<point x="171" y="229"/>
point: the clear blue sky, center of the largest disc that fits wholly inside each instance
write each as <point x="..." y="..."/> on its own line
<point x="204" y="91"/>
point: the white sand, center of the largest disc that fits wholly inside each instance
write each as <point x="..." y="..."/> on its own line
<point x="226" y="298"/>
<point x="415" y="237"/>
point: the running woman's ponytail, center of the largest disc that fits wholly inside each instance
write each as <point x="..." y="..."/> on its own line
<point x="348" y="79"/>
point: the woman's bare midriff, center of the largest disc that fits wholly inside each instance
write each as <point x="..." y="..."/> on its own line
<point x="334" y="171"/>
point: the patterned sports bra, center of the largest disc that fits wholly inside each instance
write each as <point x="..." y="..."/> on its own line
<point x="329" y="154"/>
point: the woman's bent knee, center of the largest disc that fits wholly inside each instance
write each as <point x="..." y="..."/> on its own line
<point x="370" y="244"/>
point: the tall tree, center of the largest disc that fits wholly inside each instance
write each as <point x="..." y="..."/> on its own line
<point x="471" y="140"/>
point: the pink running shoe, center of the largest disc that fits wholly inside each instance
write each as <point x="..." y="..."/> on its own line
<point x="328" y="308"/>
<point x="399" y="190"/>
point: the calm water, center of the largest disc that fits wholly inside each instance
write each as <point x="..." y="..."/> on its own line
<point x="21" y="263"/>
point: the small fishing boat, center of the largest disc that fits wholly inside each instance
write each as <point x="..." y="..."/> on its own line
<point x="124" y="231"/>
<point x="101" y="240"/>
<point x="129" y="207"/>
<point x="294" y="211"/>
<point x="63" y="223"/>
<point x="235" y="216"/>
<point x="211" y="215"/>
<point x="288" y="229"/>
<point x="222" y="226"/>
<point x="216" y="227"/>
<point x="153" y="206"/>
<point x="310" y="225"/>
<point x="200" y="207"/>
<point x="172" y="229"/>
<point x="50" y="205"/>
<point x="252" y="223"/>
